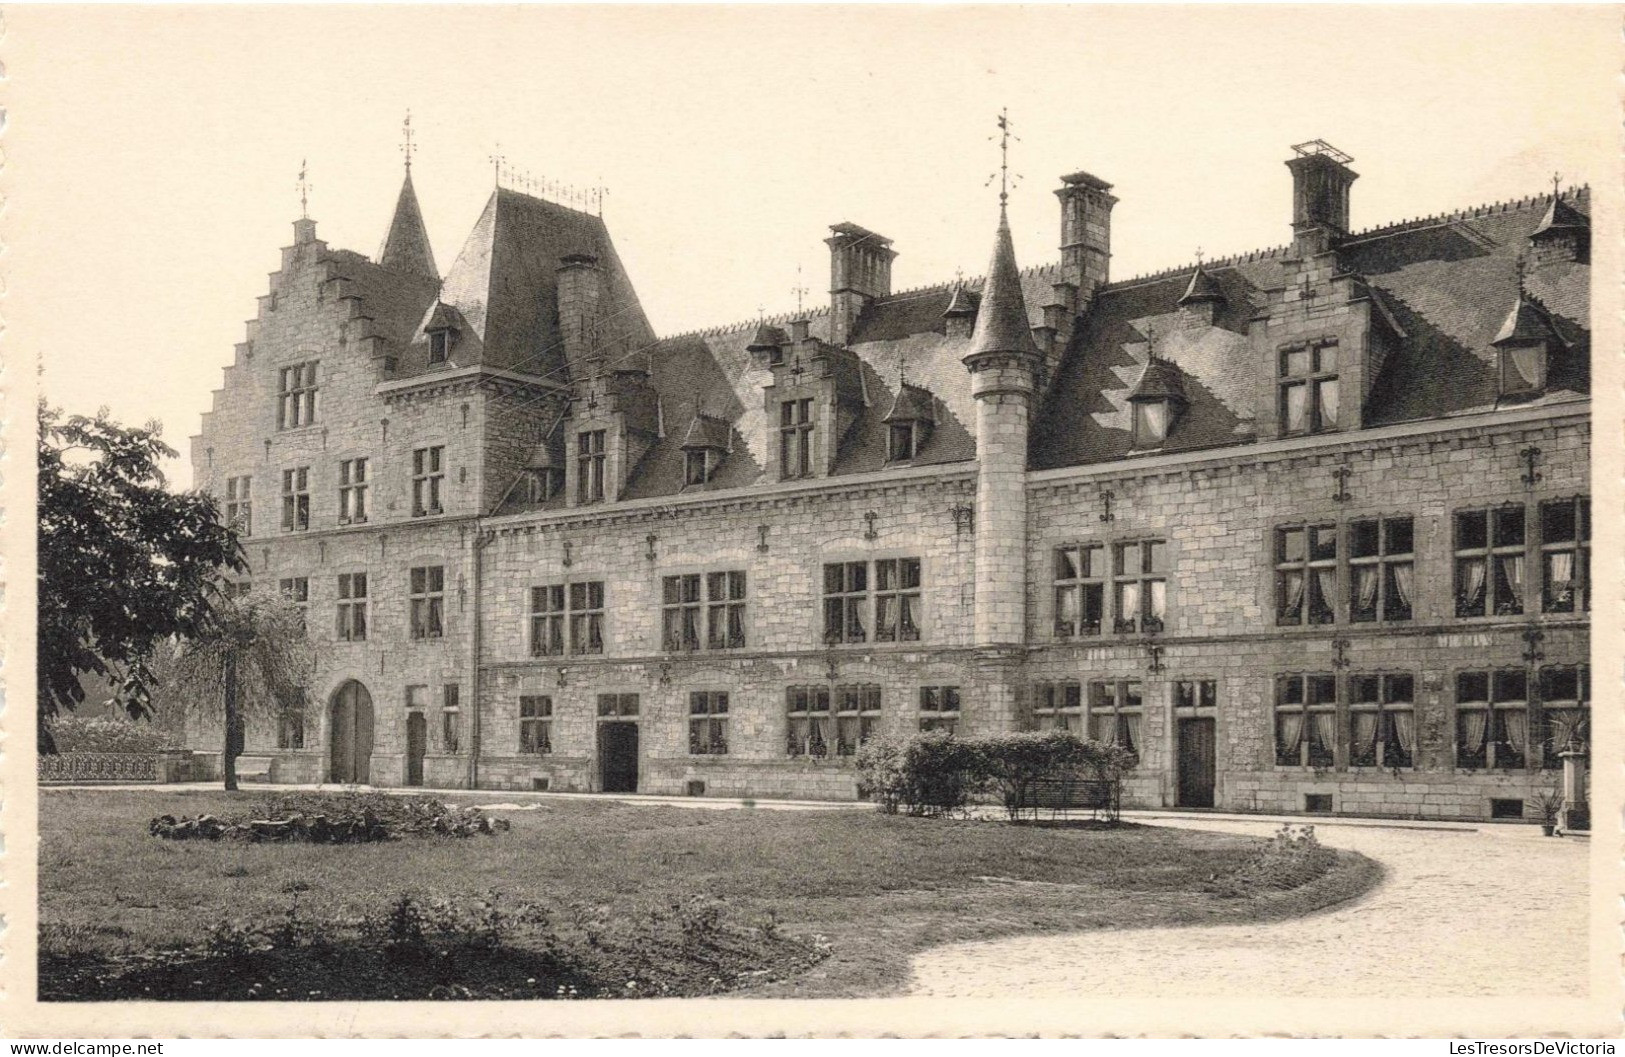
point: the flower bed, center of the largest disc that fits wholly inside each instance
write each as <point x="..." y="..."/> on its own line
<point x="342" y="818"/>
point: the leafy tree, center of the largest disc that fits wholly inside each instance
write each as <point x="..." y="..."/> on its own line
<point x="250" y="658"/>
<point x="1015" y="763"/>
<point x="124" y="563"/>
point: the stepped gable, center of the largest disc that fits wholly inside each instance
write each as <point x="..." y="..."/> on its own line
<point x="393" y="300"/>
<point x="504" y="283"/>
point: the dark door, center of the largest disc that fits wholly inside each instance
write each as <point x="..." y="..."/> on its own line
<point x="618" y="757"/>
<point x="349" y="735"/>
<point x="1196" y="763"/>
<point x="417" y="743"/>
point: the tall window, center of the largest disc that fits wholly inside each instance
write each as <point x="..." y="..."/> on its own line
<point x="296" y="399"/>
<point x="1059" y="706"/>
<point x="290" y="721"/>
<point x="1139" y="586"/>
<point x="1565" y="555"/>
<point x="428" y="598"/>
<point x="296" y="499"/>
<point x="352" y="491"/>
<point x="451" y="720"/>
<point x="296" y="589"/>
<point x="547" y="620"/>
<point x="795" y="438"/>
<point x="939" y="708"/>
<point x="1492" y="718"/>
<point x="808" y="718"/>
<point x="1309" y="394"/>
<point x="1115" y="707"/>
<point x="590" y="466"/>
<point x="1382" y="722"/>
<point x="1306" y="574"/>
<point x="889" y="601"/>
<point x="240" y="505"/>
<point x="708" y="723"/>
<point x="1305" y="720"/>
<point x="725" y="610"/>
<point x="699" y="465"/>
<point x="428" y="474"/>
<point x="1565" y="696"/>
<point x="1489" y="561"/>
<point x="535" y="724"/>
<point x="439" y="346"/>
<point x="1381" y="569"/>
<point x="900" y="446"/>
<point x="587" y="617"/>
<point x="1080" y="590"/>
<point x="352" y="607"/>
<point x="857" y="713"/>
<point x="680" y="613"/>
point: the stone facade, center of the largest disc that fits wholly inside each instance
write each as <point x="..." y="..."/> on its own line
<point x="1030" y="443"/>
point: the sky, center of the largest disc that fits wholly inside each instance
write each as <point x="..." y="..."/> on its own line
<point x="152" y="154"/>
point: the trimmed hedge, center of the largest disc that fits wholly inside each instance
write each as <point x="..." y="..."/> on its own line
<point x="75" y="734"/>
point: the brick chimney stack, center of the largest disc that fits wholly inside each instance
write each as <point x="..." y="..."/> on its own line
<point x="580" y="288"/>
<point x="859" y="272"/>
<point x="1086" y="234"/>
<point x="1320" y="196"/>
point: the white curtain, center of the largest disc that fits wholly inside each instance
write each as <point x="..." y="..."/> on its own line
<point x="1364" y="735"/>
<point x="1066" y="609"/>
<point x="1516" y="722"/>
<point x="1325" y="730"/>
<point x="1291" y="732"/>
<point x="1297" y="408"/>
<point x="1401" y="584"/>
<point x="1365" y="588"/>
<point x="1526" y="361"/>
<point x="1159" y="598"/>
<point x="1292" y="596"/>
<point x="1475" y="724"/>
<point x="1404" y="730"/>
<point x="1321" y="606"/>
<point x="1327" y="391"/>
<point x="1128" y="600"/>
<point x="1128" y="731"/>
<point x="1155" y="414"/>
<point x="1473" y="590"/>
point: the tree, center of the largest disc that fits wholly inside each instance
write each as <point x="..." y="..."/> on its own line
<point x="124" y="563"/>
<point x="250" y="658"/>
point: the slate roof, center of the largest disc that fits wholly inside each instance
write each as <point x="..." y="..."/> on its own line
<point x="406" y="245"/>
<point x="1002" y="324"/>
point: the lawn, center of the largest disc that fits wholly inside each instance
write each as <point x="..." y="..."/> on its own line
<point x="864" y="889"/>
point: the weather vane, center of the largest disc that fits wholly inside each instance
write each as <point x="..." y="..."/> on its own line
<point x="1557" y="185"/>
<point x="406" y="141"/>
<point x="304" y="191"/>
<point x="800" y="290"/>
<point x="1199" y="256"/>
<point x="496" y="159"/>
<point x="1005" y="136"/>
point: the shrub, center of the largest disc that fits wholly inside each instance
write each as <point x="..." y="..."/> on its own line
<point x="328" y="818"/>
<point x="79" y="734"/>
<point x="1015" y="763"/>
<point x="1291" y="859"/>
<point x="940" y="772"/>
<point x="880" y="771"/>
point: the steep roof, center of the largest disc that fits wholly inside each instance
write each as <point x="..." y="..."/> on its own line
<point x="406" y="245"/>
<point x="1202" y="288"/>
<point x="1001" y="322"/>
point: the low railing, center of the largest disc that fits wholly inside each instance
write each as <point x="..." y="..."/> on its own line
<point x="1062" y="796"/>
<point x="74" y="767"/>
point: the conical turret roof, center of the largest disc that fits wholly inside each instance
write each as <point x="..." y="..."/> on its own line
<point x="406" y="246"/>
<point x="1161" y="380"/>
<point x="1560" y="216"/>
<point x="1203" y="287"/>
<point x="1001" y="321"/>
<point x="1525" y="323"/>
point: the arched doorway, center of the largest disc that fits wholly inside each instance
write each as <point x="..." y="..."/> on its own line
<point x="350" y="735"/>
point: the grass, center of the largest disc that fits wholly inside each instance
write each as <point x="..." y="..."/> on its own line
<point x="874" y="888"/>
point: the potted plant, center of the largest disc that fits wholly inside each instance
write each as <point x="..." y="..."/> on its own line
<point x="1549" y="802"/>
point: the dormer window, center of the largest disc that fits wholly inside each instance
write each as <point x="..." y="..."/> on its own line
<point x="909" y="422"/>
<point x="590" y="466"/>
<point x="1156" y="402"/>
<point x="1150" y="423"/>
<point x="901" y="445"/>
<point x="795" y="438"/>
<point x="1523" y="370"/>
<point x="705" y="445"/>
<point x="1308" y="388"/>
<point x="699" y="464"/>
<point x="543" y="484"/>
<point x="1523" y="349"/>
<point x="439" y="346"/>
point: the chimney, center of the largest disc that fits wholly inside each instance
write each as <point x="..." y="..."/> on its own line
<point x="1086" y="234"/>
<point x="579" y="290"/>
<point x="859" y="272"/>
<point x="1320" y="196"/>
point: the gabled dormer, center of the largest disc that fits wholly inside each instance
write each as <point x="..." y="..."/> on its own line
<point x="767" y="345"/>
<point x="705" y="444"/>
<point x="1157" y="401"/>
<point x="614" y="420"/>
<point x="1202" y="300"/>
<point x="909" y="423"/>
<point x="442" y="329"/>
<point x="959" y="318"/>
<point x="815" y="398"/>
<point x="1523" y="349"/>
<point x="1563" y="235"/>
<point x="544" y="470"/>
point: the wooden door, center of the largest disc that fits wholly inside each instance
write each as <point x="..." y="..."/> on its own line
<point x="417" y="743"/>
<point x="618" y="757"/>
<point x="1196" y="766"/>
<point x="350" y="735"/>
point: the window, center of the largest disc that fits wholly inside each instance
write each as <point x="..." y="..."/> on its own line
<point x="451" y="720"/>
<point x="1115" y="707"/>
<point x="549" y="618"/>
<point x="1382" y="725"/>
<point x="535" y="725"/>
<point x="900" y="442"/>
<point x="725" y="610"/>
<point x="857" y="712"/>
<point x="590" y="466"/>
<point x="352" y="624"/>
<point x="795" y="438"/>
<point x="587" y="617"/>
<point x="296" y="589"/>
<point x="708" y="723"/>
<point x="1381" y="568"/>
<point x="296" y="401"/>
<point x="428" y="472"/>
<point x="1565" y="555"/>
<point x="353" y="491"/>
<point x="699" y="465"/>
<point x="1309" y="396"/>
<point x="543" y="484"/>
<point x="238" y="588"/>
<point x="1565" y="697"/>
<point x="808" y="731"/>
<point x="1139" y="586"/>
<point x="1305" y="563"/>
<point x="1305" y="720"/>
<point x="1523" y="368"/>
<point x="895" y="601"/>
<point x="1151" y="421"/>
<point x="428" y="597"/>
<point x="1196" y="693"/>
<point x="939" y="708"/>
<point x="290" y="722"/>
<point x="239" y="505"/>
<point x="439" y="345"/>
<point x="1492" y="719"/>
<point x="296" y="499"/>
<point x="1080" y="590"/>
<point x="1059" y="706"/>
<point x="618" y="706"/>
<point x="1489" y="561"/>
<point x="680" y="616"/>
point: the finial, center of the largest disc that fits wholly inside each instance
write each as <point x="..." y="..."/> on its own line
<point x="1557" y="185"/>
<point x="800" y="290"/>
<point x="1004" y="137"/>
<point x="496" y="159"/>
<point x="406" y="141"/>
<point x="304" y="192"/>
<point x="902" y="370"/>
<point x="959" y="276"/>
<point x="1522" y="266"/>
<point x="1198" y="256"/>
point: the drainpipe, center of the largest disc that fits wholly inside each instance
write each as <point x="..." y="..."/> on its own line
<point x="480" y="540"/>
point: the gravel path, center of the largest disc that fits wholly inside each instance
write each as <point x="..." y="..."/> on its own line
<point x="1498" y="911"/>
